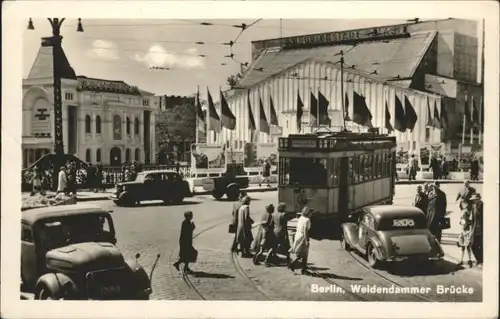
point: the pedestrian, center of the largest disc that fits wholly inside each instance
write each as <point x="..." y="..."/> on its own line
<point x="477" y="239"/>
<point x="436" y="210"/>
<point x="62" y="181"/>
<point x="413" y="168"/>
<point x="177" y="167"/>
<point x="465" y="195"/>
<point x="281" y="231"/>
<point x="474" y="169"/>
<point x="90" y="176"/>
<point x="234" y="221"/>
<point x="427" y="189"/>
<point x="36" y="182"/>
<point x="265" y="239"/>
<point x="465" y="237"/>
<point x="421" y="200"/>
<point x="300" y="246"/>
<point x="244" y="229"/>
<point x="266" y="173"/>
<point x="435" y="167"/>
<point x="98" y="179"/>
<point x="187" y="253"/>
<point x="444" y="169"/>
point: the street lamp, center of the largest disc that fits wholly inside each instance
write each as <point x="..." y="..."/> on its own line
<point x="55" y="43"/>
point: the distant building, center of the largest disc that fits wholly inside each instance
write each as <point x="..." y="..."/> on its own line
<point x="104" y="122"/>
<point x="431" y="64"/>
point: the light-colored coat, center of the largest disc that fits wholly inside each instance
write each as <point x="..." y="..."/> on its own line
<point x="61" y="181"/>
<point x="300" y="246"/>
<point x="244" y="228"/>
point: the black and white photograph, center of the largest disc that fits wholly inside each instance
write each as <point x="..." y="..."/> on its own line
<point x="337" y="159"/>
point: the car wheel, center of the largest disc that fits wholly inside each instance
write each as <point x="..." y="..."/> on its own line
<point x="178" y="199"/>
<point x="217" y="194"/>
<point x="233" y="192"/>
<point x="344" y="244"/>
<point x="44" y="294"/>
<point x="372" y="257"/>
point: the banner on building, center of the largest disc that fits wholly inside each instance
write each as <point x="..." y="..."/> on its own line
<point x="256" y="154"/>
<point x="205" y="156"/>
<point x="402" y="154"/>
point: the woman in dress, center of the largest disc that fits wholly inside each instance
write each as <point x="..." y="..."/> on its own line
<point x="465" y="237"/>
<point x="300" y="246"/>
<point x="244" y="235"/>
<point x="281" y="231"/>
<point x="265" y="239"/>
<point x="186" y="249"/>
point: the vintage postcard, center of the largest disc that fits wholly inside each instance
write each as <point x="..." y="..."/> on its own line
<point x="199" y="159"/>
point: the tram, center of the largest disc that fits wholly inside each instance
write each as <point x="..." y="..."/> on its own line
<point x="335" y="174"/>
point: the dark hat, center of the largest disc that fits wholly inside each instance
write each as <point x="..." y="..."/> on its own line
<point x="270" y="208"/>
<point x="281" y="207"/>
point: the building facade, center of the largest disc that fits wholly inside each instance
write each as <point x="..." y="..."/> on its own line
<point x="104" y="122"/>
<point x="432" y="65"/>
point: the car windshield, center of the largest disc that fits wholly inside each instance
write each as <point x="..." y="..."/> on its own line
<point x="59" y="232"/>
<point x="416" y="221"/>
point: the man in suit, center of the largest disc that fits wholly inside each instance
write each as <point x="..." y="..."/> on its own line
<point x="477" y="239"/>
<point x="421" y="200"/>
<point x="234" y="220"/>
<point x="281" y="230"/>
<point x="436" y="210"/>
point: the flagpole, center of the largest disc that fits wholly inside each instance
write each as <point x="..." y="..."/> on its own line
<point x="220" y="114"/>
<point x="342" y="86"/>
<point x="481" y="124"/>
<point x="317" y="109"/>
<point x="472" y="117"/>
<point x="197" y="136"/>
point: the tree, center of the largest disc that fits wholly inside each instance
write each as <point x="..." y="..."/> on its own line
<point x="233" y="80"/>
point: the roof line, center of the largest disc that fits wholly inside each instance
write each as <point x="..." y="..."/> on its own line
<point x="252" y="65"/>
<point x="424" y="50"/>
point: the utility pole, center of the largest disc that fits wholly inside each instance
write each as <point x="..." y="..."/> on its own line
<point x="56" y="43"/>
<point x="342" y="87"/>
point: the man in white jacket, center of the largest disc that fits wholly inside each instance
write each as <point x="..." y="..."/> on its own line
<point x="61" y="181"/>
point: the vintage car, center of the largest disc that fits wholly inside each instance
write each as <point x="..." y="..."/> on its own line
<point x="69" y="252"/>
<point x="390" y="233"/>
<point x="165" y="185"/>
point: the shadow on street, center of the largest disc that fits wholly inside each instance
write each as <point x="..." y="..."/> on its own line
<point x="202" y="274"/>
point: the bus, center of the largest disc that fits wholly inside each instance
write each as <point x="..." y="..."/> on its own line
<point x="335" y="174"/>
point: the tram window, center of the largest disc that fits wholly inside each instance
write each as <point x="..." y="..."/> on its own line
<point x="308" y="171"/>
<point x="284" y="171"/>
<point x="384" y="165"/>
<point x="354" y="169"/>
<point x="378" y="165"/>
<point x="334" y="171"/>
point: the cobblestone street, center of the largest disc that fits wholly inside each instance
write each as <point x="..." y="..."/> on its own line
<point x="153" y="228"/>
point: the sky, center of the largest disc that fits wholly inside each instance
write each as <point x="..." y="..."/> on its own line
<point x="126" y="49"/>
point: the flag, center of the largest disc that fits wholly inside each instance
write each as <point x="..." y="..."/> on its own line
<point x="274" y="117"/>
<point x="411" y="116"/>
<point x="443" y="120"/>
<point x="388" y="125"/>
<point x="324" y="118"/>
<point x="437" y="119"/>
<point x="430" y="120"/>
<point x="475" y="114"/>
<point x="400" y="118"/>
<point x="264" y="125"/>
<point x="228" y="119"/>
<point x="300" y="111"/>
<point x="481" y="117"/>
<point x="199" y="115"/>
<point x="251" y="122"/>
<point x="347" y="117"/>
<point x="214" y="120"/>
<point x="314" y="110"/>
<point x="361" y="112"/>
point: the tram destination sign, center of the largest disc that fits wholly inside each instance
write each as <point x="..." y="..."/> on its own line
<point x="329" y="38"/>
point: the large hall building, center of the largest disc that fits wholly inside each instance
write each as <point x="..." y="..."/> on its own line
<point x="104" y="122"/>
<point x="432" y="66"/>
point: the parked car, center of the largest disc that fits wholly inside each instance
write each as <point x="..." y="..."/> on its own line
<point x="229" y="184"/>
<point x="165" y="185"/>
<point x="389" y="233"/>
<point x="69" y="252"/>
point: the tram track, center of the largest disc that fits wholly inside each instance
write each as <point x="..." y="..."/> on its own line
<point x="362" y="264"/>
<point x="242" y="273"/>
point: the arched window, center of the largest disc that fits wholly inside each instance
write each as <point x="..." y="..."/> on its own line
<point x="98" y="124"/>
<point x="88" y="155"/>
<point x="137" y="154"/>
<point x="117" y="128"/>
<point x="87" y="124"/>
<point x="136" y="126"/>
<point x="128" y="126"/>
<point x="127" y="155"/>
<point x="98" y="155"/>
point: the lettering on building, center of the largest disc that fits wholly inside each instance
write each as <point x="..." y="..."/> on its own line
<point x="345" y="36"/>
<point x="107" y="86"/>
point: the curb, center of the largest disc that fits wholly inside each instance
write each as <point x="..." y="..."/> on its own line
<point x="442" y="181"/>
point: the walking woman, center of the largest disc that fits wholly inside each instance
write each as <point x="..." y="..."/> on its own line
<point x="265" y="239"/>
<point x="281" y="231"/>
<point x="465" y="237"/>
<point x="477" y="238"/>
<point x="244" y="229"/>
<point x="300" y="246"/>
<point x="186" y="250"/>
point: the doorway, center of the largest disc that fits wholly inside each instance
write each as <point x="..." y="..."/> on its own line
<point x="115" y="156"/>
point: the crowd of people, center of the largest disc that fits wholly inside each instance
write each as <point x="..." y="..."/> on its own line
<point x="441" y="168"/>
<point x="432" y="201"/>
